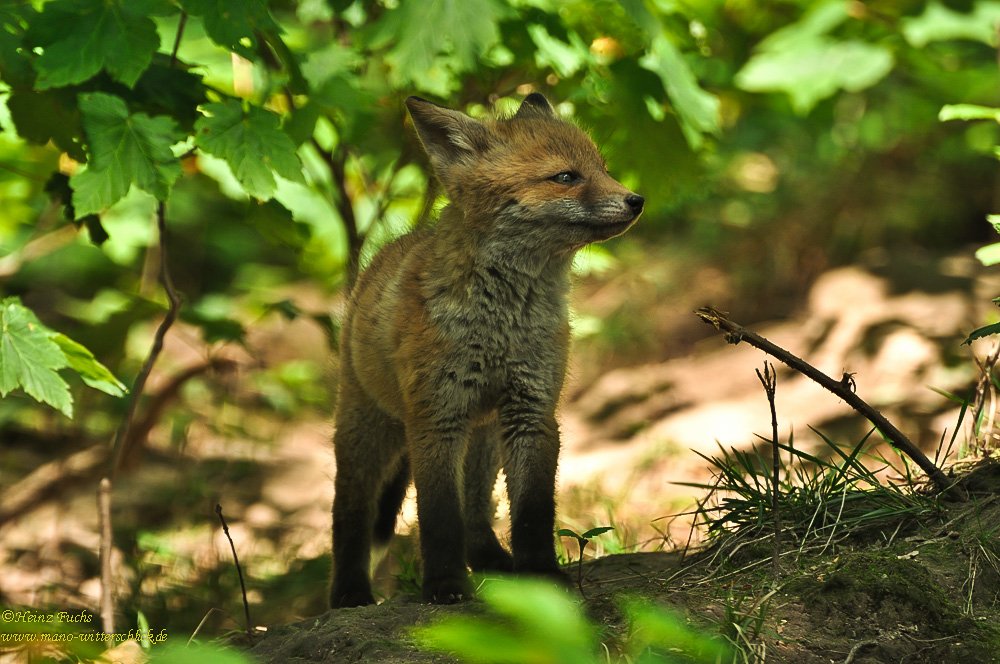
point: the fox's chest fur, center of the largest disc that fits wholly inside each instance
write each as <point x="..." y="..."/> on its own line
<point x="470" y="330"/>
<point x="503" y="325"/>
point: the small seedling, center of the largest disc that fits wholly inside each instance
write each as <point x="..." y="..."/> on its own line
<point x="582" y="540"/>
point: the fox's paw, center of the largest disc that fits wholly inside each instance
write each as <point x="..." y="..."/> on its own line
<point x="446" y="590"/>
<point x="342" y="599"/>
<point x="493" y="558"/>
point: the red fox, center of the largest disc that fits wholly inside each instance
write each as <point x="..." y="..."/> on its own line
<point x="453" y="351"/>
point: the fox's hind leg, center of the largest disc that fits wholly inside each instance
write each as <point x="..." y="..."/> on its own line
<point x="482" y="463"/>
<point x="368" y="447"/>
<point x="389" y="503"/>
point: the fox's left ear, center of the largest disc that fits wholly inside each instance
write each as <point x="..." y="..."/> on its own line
<point x="535" y="105"/>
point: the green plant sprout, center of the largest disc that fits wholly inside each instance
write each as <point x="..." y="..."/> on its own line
<point x="582" y="541"/>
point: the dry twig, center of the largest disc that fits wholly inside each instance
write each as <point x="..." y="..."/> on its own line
<point x="844" y="388"/>
<point x="770" y="382"/>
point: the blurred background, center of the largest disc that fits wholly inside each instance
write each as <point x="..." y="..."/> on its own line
<point x="796" y="173"/>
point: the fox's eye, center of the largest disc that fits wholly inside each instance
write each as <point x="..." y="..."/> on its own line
<point x="566" y="177"/>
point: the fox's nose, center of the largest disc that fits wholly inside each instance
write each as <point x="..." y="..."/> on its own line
<point x="635" y="201"/>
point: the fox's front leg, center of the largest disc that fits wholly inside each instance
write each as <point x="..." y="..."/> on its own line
<point x="437" y="449"/>
<point x="531" y="453"/>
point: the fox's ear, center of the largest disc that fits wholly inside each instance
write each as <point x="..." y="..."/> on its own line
<point x="448" y="136"/>
<point x="535" y="105"/>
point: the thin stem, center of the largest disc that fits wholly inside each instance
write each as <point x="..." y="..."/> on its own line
<point x="770" y="382"/>
<point x="239" y="570"/>
<point x="124" y="437"/>
<point x="177" y="39"/>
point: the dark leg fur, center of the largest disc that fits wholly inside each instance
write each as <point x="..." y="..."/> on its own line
<point x="390" y="503"/>
<point x="531" y="450"/>
<point x="361" y="475"/>
<point x="482" y="463"/>
<point x="437" y="451"/>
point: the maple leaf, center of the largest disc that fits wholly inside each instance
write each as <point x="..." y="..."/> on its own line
<point x="125" y="149"/>
<point x="80" y="37"/>
<point x="251" y="143"/>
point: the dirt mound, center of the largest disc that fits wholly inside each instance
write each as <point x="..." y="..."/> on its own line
<point x="911" y="590"/>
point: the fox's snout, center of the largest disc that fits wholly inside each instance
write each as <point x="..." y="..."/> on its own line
<point x="635" y="202"/>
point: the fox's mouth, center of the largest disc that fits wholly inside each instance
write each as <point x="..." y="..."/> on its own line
<point x="609" y="229"/>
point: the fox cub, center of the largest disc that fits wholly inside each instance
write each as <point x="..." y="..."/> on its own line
<point x="453" y="351"/>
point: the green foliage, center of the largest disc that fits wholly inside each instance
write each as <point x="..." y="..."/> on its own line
<point x="536" y="622"/>
<point x="697" y="110"/>
<point x="988" y="254"/>
<point x="31" y="356"/>
<point x="939" y="23"/>
<point x="200" y="654"/>
<point x="803" y="61"/>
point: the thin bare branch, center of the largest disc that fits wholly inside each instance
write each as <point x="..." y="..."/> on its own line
<point x="107" y="582"/>
<point x="125" y="431"/>
<point x="769" y="379"/>
<point x="844" y="388"/>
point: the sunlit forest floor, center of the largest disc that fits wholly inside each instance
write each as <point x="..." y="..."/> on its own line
<point x="650" y="385"/>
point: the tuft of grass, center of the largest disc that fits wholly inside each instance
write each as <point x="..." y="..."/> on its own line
<point x="817" y="496"/>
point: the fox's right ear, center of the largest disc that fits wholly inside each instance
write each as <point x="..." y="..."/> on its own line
<point x="535" y="105"/>
<point x="448" y="136"/>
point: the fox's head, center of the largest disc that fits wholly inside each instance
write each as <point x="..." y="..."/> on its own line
<point x="531" y="179"/>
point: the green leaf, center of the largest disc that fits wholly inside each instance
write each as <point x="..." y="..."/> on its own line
<point x="815" y="23"/>
<point x="201" y="654"/>
<point x="301" y="126"/>
<point x="985" y="331"/>
<point x="989" y="255"/>
<point x="80" y="37"/>
<point x="565" y="59"/>
<point x="233" y="24"/>
<point x="653" y="625"/>
<point x="40" y="117"/>
<point x="543" y="625"/>
<point x="251" y="143"/>
<point x="697" y="110"/>
<point x="15" y="65"/>
<point x="939" y="23"/>
<point x="425" y="29"/>
<point x="817" y="69"/>
<point x="331" y="60"/>
<point x="29" y="358"/>
<point x="274" y="222"/>
<point x="170" y="90"/>
<point x="477" y="640"/>
<point x="968" y="112"/>
<point x="58" y="189"/>
<point x="125" y="149"/>
<point x="91" y="371"/>
<point x="213" y="327"/>
<point x="994" y="220"/>
<point x="594" y="532"/>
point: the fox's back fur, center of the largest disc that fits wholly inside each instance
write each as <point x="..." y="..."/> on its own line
<point x="454" y="346"/>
